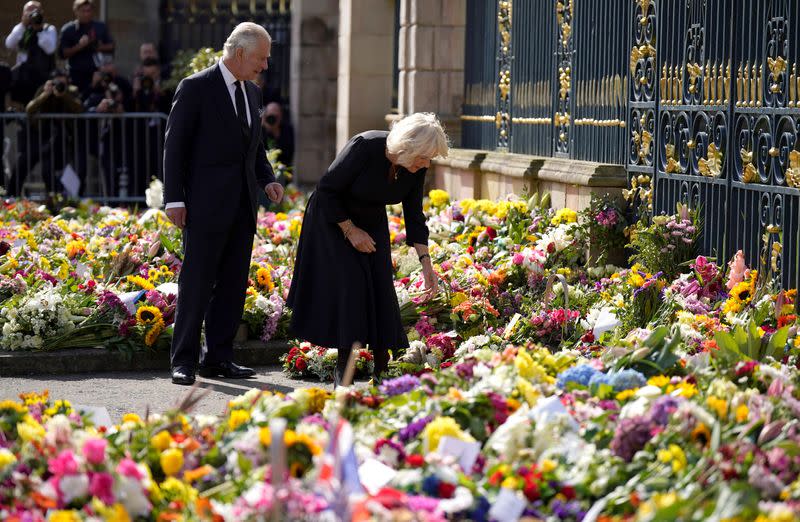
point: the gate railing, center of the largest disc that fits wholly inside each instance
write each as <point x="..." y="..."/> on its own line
<point x="699" y="99"/>
<point x="110" y="158"/>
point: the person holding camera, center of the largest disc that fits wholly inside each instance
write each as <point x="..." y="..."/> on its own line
<point x="84" y="44"/>
<point x="277" y="132"/>
<point x="45" y="141"/>
<point x="111" y="138"/>
<point x="35" y="43"/>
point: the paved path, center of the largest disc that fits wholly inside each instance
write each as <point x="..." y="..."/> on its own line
<point x="124" y="392"/>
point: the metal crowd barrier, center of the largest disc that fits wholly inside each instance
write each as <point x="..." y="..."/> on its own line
<point x="110" y="158"/>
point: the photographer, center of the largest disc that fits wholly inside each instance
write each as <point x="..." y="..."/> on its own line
<point x="277" y="132"/>
<point x="35" y="43"/>
<point x="45" y="141"/>
<point x="147" y="93"/>
<point x="84" y="44"/>
<point x="149" y="132"/>
<point x="111" y="140"/>
<point x="101" y="80"/>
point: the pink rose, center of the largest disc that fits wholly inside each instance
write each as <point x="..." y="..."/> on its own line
<point x="517" y="259"/>
<point x="63" y="464"/>
<point x="100" y="486"/>
<point x="95" y="450"/>
<point x="128" y="468"/>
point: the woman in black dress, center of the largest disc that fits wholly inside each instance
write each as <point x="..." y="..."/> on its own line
<point x="342" y="290"/>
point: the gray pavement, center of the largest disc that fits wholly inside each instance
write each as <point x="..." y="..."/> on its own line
<point x="135" y="392"/>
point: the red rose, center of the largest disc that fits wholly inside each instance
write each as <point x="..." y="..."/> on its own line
<point x="588" y="337"/>
<point x="551" y="247"/>
<point x="300" y="364"/>
<point x="470" y="250"/>
<point x="492" y="233"/>
<point x="569" y="492"/>
<point x="531" y="490"/>
<point x="415" y="461"/>
<point x="446" y="490"/>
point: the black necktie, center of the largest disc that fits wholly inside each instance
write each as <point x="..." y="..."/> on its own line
<point x="240" y="109"/>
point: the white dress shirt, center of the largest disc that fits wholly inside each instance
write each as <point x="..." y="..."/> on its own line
<point x="47" y="39"/>
<point x="230" y="83"/>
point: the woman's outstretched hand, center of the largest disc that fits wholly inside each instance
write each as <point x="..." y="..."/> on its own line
<point x="361" y="241"/>
<point x="431" y="279"/>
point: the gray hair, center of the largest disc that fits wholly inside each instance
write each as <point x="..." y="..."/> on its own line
<point x="245" y="36"/>
<point x="417" y="135"/>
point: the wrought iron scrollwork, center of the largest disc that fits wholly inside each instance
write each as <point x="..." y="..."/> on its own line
<point x="565" y="12"/>
<point x="504" y="9"/>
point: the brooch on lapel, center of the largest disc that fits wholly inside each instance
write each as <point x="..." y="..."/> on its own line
<point x="261" y="111"/>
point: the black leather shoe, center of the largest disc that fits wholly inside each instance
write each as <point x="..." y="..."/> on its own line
<point x="229" y="370"/>
<point x="183" y="375"/>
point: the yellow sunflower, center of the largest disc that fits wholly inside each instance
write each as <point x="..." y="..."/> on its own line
<point x="141" y="282"/>
<point x="264" y="277"/>
<point x="152" y="334"/>
<point x="149" y="315"/>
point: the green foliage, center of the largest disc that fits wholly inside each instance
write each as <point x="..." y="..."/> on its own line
<point x="746" y="343"/>
<point x="187" y="62"/>
<point x="667" y="243"/>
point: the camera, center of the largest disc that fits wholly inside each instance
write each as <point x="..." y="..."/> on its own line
<point x="271" y="119"/>
<point x="60" y="86"/>
<point x="112" y="104"/>
<point x="107" y="78"/>
<point x="147" y="83"/>
<point x="36" y="17"/>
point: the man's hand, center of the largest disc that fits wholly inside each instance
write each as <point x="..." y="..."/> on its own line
<point x="274" y="192"/>
<point x="178" y="216"/>
<point x="84" y="41"/>
<point x="361" y="241"/>
<point x="48" y="88"/>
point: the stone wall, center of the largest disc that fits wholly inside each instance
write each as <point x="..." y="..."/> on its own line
<point x="314" y="71"/>
<point x="366" y="63"/>
<point x="494" y="175"/>
<point x="431" y="60"/>
<point x="131" y="24"/>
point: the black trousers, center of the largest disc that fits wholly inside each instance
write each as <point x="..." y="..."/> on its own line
<point x="212" y="286"/>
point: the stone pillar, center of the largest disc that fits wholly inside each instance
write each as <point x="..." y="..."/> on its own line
<point x="312" y="87"/>
<point x="431" y="61"/>
<point x="366" y="47"/>
<point x="130" y="24"/>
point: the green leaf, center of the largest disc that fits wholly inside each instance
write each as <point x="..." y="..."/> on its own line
<point x="777" y="343"/>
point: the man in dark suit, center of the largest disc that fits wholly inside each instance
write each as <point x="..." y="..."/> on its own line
<point x="214" y="168"/>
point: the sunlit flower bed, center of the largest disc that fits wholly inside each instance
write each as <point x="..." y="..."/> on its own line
<point x="541" y="382"/>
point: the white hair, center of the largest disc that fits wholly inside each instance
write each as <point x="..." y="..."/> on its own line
<point x="245" y="36"/>
<point x="417" y="135"/>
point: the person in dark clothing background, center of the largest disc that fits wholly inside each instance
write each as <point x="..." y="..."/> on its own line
<point x="342" y="289"/>
<point x="84" y="41"/>
<point x="35" y="41"/>
<point x="278" y="132"/>
<point x="45" y="140"/>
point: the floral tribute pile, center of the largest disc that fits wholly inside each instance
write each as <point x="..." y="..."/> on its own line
<point x="543" y="382"/>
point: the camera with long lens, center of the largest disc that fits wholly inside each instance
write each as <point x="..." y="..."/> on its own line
<point x="36" y="17"/>
<point x="60" y="86"/>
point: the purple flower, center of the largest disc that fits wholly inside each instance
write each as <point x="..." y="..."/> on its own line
<point x="662" y="408"/>
<point x="631" y="436"/>
<point x="398" y="385"/>
<point x="414" y="429"/>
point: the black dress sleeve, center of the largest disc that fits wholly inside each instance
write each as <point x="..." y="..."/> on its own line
<point x="416" y="229"/>
<point x="339" y="176"/>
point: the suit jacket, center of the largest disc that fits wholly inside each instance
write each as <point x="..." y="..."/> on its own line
<point x="206" y="158"/>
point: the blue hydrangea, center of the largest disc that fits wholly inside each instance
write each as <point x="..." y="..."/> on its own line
<point x="627" y="380"/>
<point x="577" y="374"/>
<point x="600" y="378"/>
